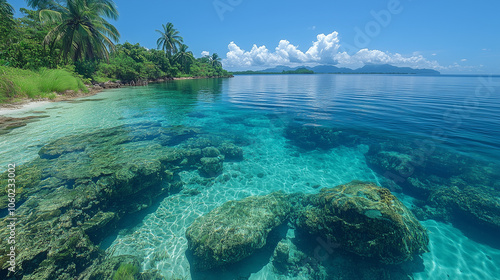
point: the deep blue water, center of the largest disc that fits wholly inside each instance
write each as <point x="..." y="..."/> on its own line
<point x="456" y="114"/>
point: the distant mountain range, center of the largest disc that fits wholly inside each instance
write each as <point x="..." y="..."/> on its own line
<point x="367" y="69"/>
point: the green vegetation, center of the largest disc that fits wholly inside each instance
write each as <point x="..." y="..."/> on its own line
<point x="296" y="71"/>
<point x="81" y="28"/>
<point x="61" y="43"/>
<point x="126" y="271"/>
<point x="33" y="84"/>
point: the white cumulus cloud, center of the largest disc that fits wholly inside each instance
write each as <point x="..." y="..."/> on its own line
<point x="327" y="49"/>
<point x="205" y="53"/>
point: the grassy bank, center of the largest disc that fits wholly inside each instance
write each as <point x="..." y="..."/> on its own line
<point x="45" y="83"/>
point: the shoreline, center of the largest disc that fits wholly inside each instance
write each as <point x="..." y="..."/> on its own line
<point x="26" y="103"/>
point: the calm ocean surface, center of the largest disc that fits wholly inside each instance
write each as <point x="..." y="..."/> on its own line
<point x="459" y="114"/>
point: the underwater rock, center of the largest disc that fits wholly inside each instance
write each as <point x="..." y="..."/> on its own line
<point x="50" y="253"/>
<point x="211" y="166"/>
<point x="9" y="123"/>
<point x="82" y="185"/>
<point x="231" y="151"/>
<point x="288" y="259"/>
<point x="419" y="170"/>
<point x="176" y="134"/>
<point x="233" y="231"/>
<point x="364" y="219"/>
<point x="479" y="206"/>
<point x="318" y="137"/>
<point x="108" y="268"/>
<point x="210" y="152"/>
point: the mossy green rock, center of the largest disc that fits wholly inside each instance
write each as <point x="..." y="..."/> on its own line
<point x="235" y="230"/>
<point x="82" y="185"/>
<point x="318" y="137"/>
<point x="211" y="166"/>
<point x="107" y="269"/>
<point x="420" y="168"/>
<point x="364" y="219"/>
<point x="478" y="205"/>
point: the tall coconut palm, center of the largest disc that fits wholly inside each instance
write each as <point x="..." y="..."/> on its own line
<point x="81" y="27"/>
<point x="6" y="10"/>
<point x="6" y="22"/>
<point x="169" y="40"/>
<point x="184" y="57"/>
<point x="6" y="14"/>
<point x="215" y="60"/>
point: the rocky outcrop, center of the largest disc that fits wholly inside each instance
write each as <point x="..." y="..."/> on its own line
<point x="419" y="170"/>
<point x="9" y="123"/>
<point x="318" y="137"/>
<point x="358" y="217"/>
<point x="235" y="230"/>
<point x="80" y="186"/>
<point x="476" y="205"/>
<point x="364" y="219"/>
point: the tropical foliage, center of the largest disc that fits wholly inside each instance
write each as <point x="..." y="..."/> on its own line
<point x="76" y="35"/>
<point x="82" y="29"/>
<point x="6" y="21"/>
<point x="184" y="57"/>
<point x="215" y="60"/>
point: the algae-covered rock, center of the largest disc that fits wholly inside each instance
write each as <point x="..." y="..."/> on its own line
<point x="364" y="219"/>
<point x="108" y="269"/>
<point x="318" y="137"/>
<point x="477" y="205"/>
<point x="9" y="123"/>
<point x="231" y="151"/>
<point x="210" y="152"/>
<point x="70" y="197"/>
<point x="288" y="259"/>
<point x="211" y="166"/>
<point x="236" y="229"/>
<point x="419" y="167"/>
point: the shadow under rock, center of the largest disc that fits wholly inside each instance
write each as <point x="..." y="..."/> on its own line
<point x="479" y="233"/>
<point x="244" y="268"/>
<point x="340" y="264"/>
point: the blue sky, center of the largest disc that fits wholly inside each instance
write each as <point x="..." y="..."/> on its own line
<point x="449" y="36"/>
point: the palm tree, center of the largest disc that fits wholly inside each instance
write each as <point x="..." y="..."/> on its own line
<point x="215" y="60"/>
<point x="43" y="4"/>
<point x="81" y="27"/>
<point x="6" y="22"/>
<point x="6" y="10"/>
<point x="184" y="58"/>
<point x="6" y="14"/>
<point x="169" y="39"/>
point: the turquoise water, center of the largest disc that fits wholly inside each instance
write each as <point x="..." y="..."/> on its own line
<point x="457" y="114"/>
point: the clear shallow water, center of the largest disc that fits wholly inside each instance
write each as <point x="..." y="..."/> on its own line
<point x="257" y="109"/>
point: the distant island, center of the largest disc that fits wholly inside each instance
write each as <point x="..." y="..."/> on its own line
<point x="330" y="69"/>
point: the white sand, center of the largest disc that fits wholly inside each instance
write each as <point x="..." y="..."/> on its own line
<point x="13" y="109"/>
